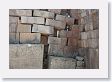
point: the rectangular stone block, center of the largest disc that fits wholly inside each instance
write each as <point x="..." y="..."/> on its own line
<point x="55" y="50"/>
<point x="44" y="14"/>
<point x="44" y="39"/>
<point x="62" y="34"/>
<point x="57" y="41"/>
<point x="26" y="56"/>
<point x="13" y="19"/>
<point x="94" y="58"/>
<point x="73" y="42"/>
<point x="19" y="12"/>
<point x="56" y="24"/>
<point x="23" y="28"/>
<point x="82" y="28"/>
<point x="32" y="20"/>
<point x="61" y="63"/>
<point x="60" y="17"/>
<point x="13" y="38"/>
<point x="30" y="38"/>
<point x="80" y="63"/>
<point x="94" y="34"/>
<point x="84" y="35"/>
<point x="84" y="43"/>
<point x="57" y="11"/>
<point x="93" y="43"/>
<point x="89" y="26"/>
<point x="70" y="51"/>
<point x="13" y="27"/>
<point x="43" y="29"/>
<point x="83" y="51"/>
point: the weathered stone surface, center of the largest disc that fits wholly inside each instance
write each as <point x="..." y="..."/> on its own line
<point x="57" y="41"/>
<point x="83" y="51"/>
<point x="55" y="50"/>
<point x="23" y="28"/>
<point x="44" y="14"/>
<point x="61" y="63"/>
<point x="60" y="18"/>
<point x="82" y="28"/>
<point x="57" y="11"/>
<point x="69" y="20"/>
<point x="26" y="56"/>
<point x="32" y="20"/>
<point x="43" y="29"/>
<point x="72" y="42"/>
<point x="93" y="43"/>
<point x="30" y="38"/>
<point x="93" y="34"/>
<point x="56" y="24"/>
<point x="84" y="35"/>
<point x="44" y="39"/>
<point x="88" y="26"/>
<point x="13" y="19"/>
<point x="19" y="12"/>
<point x="62" y="34"/>
<point x="84" y="43"/>
<point x="80" y="63"/>
<point x="93" y="58"/>
<point x="13" y="27"/>
<point x="13" y="38"/>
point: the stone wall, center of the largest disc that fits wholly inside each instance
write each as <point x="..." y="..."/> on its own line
<point x="53" y="38"/>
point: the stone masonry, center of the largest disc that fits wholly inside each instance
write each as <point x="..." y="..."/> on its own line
<point x="53" y="38"/>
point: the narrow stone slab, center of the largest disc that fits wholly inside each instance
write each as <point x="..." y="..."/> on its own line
<point x="61" y="63"/>
<point x="26" y="56"/>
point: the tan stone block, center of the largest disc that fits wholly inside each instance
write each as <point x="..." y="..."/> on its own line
<point x="30" y="38"/>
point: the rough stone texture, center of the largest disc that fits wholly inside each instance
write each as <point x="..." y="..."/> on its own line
<point x="61" y="63"/>
<point x="69" y="20"/>
<point x="13" y="38"/>
<point x="93" y="34"/>
<point x="18" y="12"/>
<point x="44" y="14"/>
<point x="43" y="29"/>
<point x="30" y="38"/>
<point x="26" y="56"/>
<point x="23" y="28"/>
<point x="84" y="43"/>
<point x="93" y="43"/>
<point x="57" y="11"/>
<point x="55" y="50"/>
<point x="44" y="39"/>
<point x="79" y="58"/>
<point x="56" y="24"/>
<point x="32" y="20"/>
<point x="57" y="41"/>
<point x="83" y="35"/>
<point x="62" y="34"/>
<point x="13" y="20"/>
<point x="60" y="18"/>
<point x="80" y="63"/>
<point x="72" y="42"/>
<point x="13" y="27"/>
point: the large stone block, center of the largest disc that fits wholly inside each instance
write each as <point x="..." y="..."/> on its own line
<point x="61" y="63"/>
<point x="69" y="20"/>
<point x="57" y="11"/>
<point x="62" y="34"/>
<point x="89" y="26"/>
<point x="56" y="24"/>
<point x="44" y="14"/>
<point x="83" y="35"/>
<point x="60" y="17"/>
<point x="19" y="12"/>
<point x="93" y="43"/>
<point x="13" y="38"/>
<point x="55" y="50"/>
<point x="94" y="34"/>
<point x="30" y="38"/>
<point x="26" y="56"/>
<point x="32" y="20"/>
<point x="43" y="29"/>
<point x="84" y="43"/>
<point x="57" y="41"/>
<point x="13" y="27"/>
<point x="73" y="42"/>
<point x="23" y="28"/>
<point x="13" y="19"/>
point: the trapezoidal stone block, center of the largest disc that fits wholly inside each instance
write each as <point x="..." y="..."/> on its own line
<point x="44" y="14"/>
<point x="26" y="56"/>
<point x="61" y="63"/>
<point x="20" y="12"/>
<point x="43" y="29"/>
<point x="30" y="38"/>
<point x="32" y="20"/>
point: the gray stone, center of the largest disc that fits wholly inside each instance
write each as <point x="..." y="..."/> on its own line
<point x="26" y="56"/>
<point x="13" y="38"/>
<point x="80" y="63"/>
<point x="61" y="63"/>
<point x="79" y="58"/>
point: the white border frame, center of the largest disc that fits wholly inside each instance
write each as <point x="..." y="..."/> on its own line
<point x="102" y="72"/>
